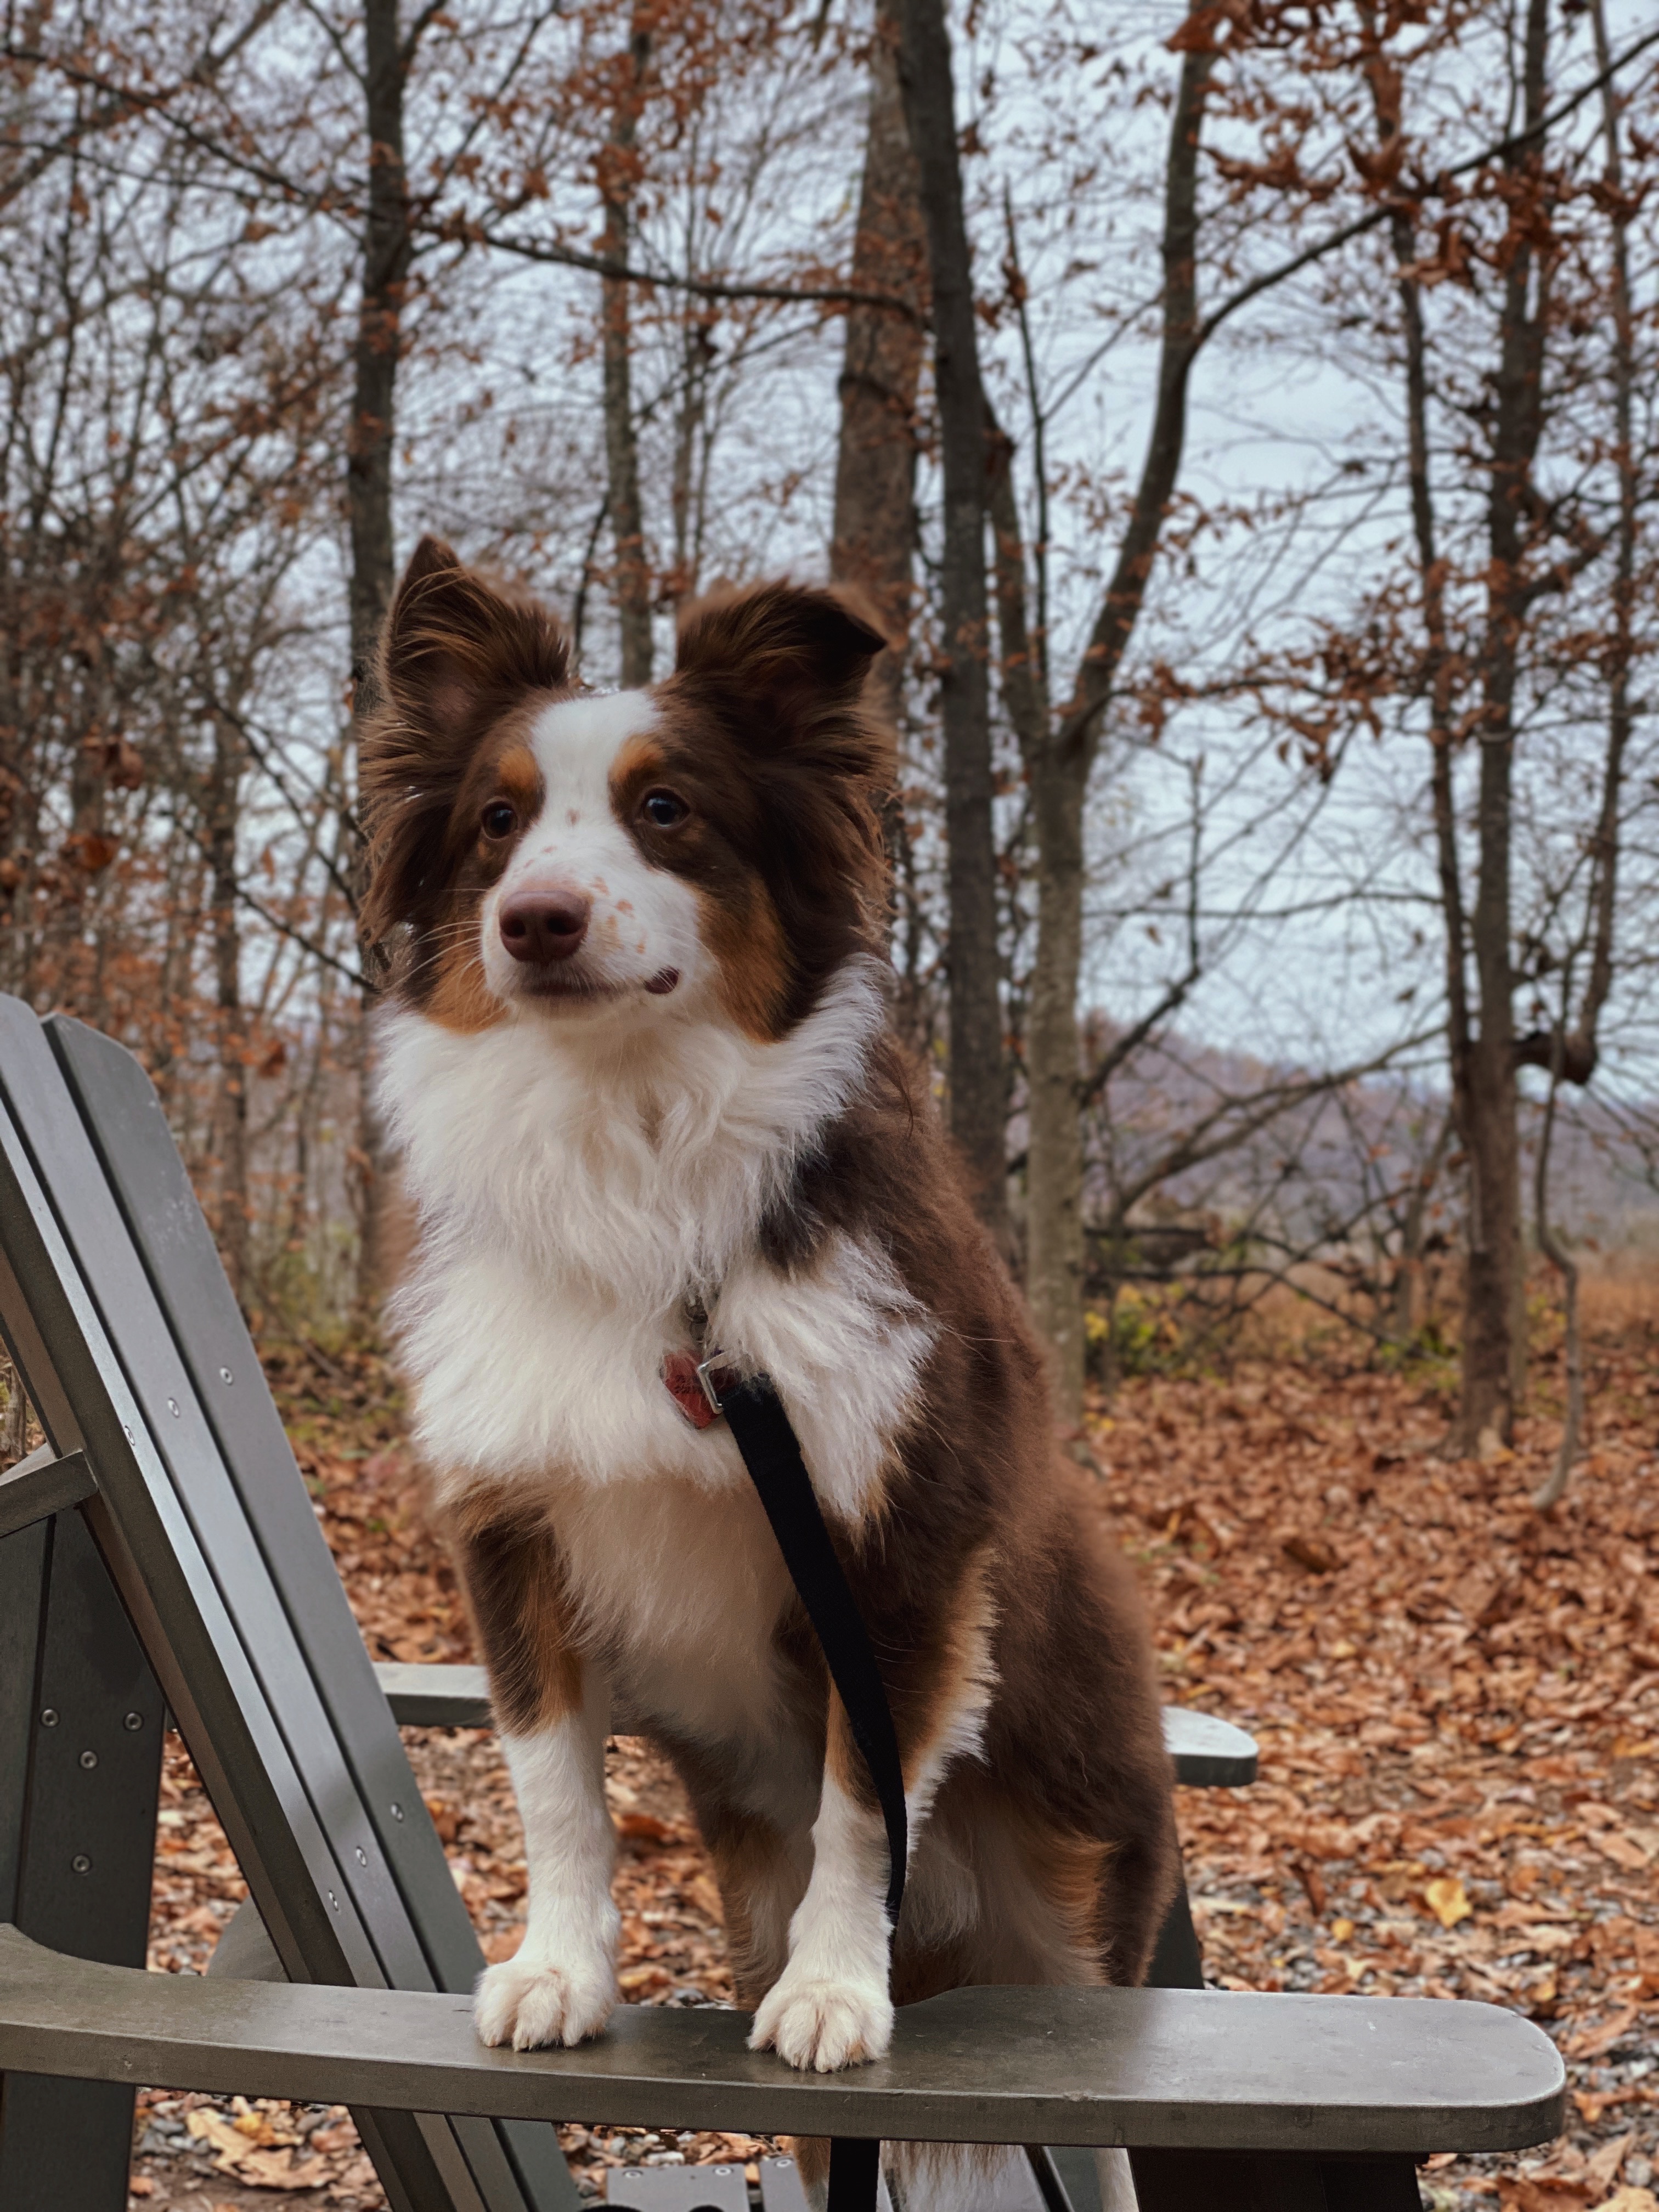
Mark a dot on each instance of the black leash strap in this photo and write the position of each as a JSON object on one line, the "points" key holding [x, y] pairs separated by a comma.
{"points": [[767, 1440], [772, 1455]]}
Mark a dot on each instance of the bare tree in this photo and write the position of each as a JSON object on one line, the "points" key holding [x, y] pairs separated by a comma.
{"points": [[873, 536], [978, 1096], [618, 181]]}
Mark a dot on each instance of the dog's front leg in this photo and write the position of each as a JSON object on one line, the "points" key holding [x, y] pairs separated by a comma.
{"points": [[553, 1708], [831, 2006]]}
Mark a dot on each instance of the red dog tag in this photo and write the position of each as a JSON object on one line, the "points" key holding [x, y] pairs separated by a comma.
{"points": [[679, 1372]]}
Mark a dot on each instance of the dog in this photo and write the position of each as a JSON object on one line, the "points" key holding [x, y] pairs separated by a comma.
{"points": [[636, 1063]]}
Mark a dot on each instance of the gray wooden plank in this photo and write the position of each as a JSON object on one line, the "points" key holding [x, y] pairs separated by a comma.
{"points": [[436, 1696], [40, 1485], [57, 1333], [678, 2188], [1178, 2068], [124, 1121], [281, 1562], [354, 1762], [83, 1882], [1209, 1752]]}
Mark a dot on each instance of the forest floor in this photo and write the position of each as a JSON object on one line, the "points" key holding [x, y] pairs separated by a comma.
{"points": [[1456, 1700]]}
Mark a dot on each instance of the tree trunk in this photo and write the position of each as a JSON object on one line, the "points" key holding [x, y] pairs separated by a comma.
{"points": [[387, 251], [978, 1099], [1058, 768], [1055, 1260], [1550, 1490], [230, 1104], [618, 177], [1494, 1348], [872, 538]]}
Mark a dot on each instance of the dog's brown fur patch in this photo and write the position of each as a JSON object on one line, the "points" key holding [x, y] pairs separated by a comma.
{"points": [[513, 1573]]}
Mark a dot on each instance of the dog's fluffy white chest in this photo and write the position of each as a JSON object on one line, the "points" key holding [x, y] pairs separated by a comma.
{"points": [[566, 1223]]}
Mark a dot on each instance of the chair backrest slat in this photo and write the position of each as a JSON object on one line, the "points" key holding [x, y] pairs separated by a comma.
{"points": [[206, 1526], [124, 1119]]}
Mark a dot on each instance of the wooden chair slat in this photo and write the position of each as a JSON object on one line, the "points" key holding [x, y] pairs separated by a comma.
{"points": [[1179, 2069]]}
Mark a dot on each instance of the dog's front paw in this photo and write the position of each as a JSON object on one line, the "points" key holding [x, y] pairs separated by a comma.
{"points": [[824, 2025], [530, 2002]]}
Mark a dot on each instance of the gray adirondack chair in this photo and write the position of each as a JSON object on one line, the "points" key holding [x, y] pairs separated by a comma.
{"points": [[159, 1556]]}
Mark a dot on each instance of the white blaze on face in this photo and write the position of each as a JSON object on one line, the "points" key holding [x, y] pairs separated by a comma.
{"points": [[643, 920]]}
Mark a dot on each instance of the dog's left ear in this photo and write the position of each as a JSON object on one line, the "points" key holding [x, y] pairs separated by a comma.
{"points": [[781, 659]]}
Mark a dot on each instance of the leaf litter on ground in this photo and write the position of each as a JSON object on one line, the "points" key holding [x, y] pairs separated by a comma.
{"points": [[1456, 1700]]}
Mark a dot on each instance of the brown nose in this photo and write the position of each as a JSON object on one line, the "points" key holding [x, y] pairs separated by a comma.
{"points": [[541, 926]]}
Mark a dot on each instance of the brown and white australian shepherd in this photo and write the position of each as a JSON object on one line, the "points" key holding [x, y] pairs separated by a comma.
{"points": [[637, 1065]]}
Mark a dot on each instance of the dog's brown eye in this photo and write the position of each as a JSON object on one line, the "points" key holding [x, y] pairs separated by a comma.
{"points": [[663, 809], [499, 820]]}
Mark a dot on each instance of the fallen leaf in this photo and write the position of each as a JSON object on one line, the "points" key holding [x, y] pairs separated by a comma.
{"points": [[1604, 2163], [1314, 1882], [1447, 1899], [1518, 2192], [1340, 1930], [1622, 1849], [1591, 2042], [1630, 2200], [210, 2127], [278, 2169], [1309, 1553], [643, 1978], [646, 1828]]}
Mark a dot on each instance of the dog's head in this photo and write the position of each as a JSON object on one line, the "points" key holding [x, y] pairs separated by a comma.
{"points": [[710, 845]]}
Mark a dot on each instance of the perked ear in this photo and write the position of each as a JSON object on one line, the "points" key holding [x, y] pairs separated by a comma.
{"points": [[798, 653], [456, 650], [454, 641]]}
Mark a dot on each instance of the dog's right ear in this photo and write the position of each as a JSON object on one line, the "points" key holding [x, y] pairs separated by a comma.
{"points": [[454, 642], [458, 651]]}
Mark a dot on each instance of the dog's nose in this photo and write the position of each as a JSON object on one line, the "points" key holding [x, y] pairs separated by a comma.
{"points": [[540, 927]]}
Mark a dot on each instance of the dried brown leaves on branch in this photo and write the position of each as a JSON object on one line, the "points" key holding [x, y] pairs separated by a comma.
{"points": [[1457, 1703]]}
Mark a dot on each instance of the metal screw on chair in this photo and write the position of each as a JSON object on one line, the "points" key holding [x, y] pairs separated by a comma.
{"points": [[225, 1375], [173, 1407], [334, 1900], [81, 1863], [49, 1717], [88, 1760], [396, 1810], [363, 1856], [133, 1720]]}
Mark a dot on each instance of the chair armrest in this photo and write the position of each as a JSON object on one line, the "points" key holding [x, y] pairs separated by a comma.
{"points": [[1208, 1752], [1157, 2068], [436, 1696], [42, 1484]]}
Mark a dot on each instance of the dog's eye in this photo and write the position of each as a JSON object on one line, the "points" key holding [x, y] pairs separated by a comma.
{"points": [[499, 820], [663, 809]]}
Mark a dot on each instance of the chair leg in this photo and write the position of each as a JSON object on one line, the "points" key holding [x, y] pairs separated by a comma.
{"points": [[81, 1725], [1176, 1963]]}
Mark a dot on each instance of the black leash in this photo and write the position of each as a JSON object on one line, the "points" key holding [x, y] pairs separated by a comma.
{"points": [[771, 1452]]}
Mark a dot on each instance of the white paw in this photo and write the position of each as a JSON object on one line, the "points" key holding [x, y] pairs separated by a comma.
{"points": [[529, 2004], [823, 2025]]}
